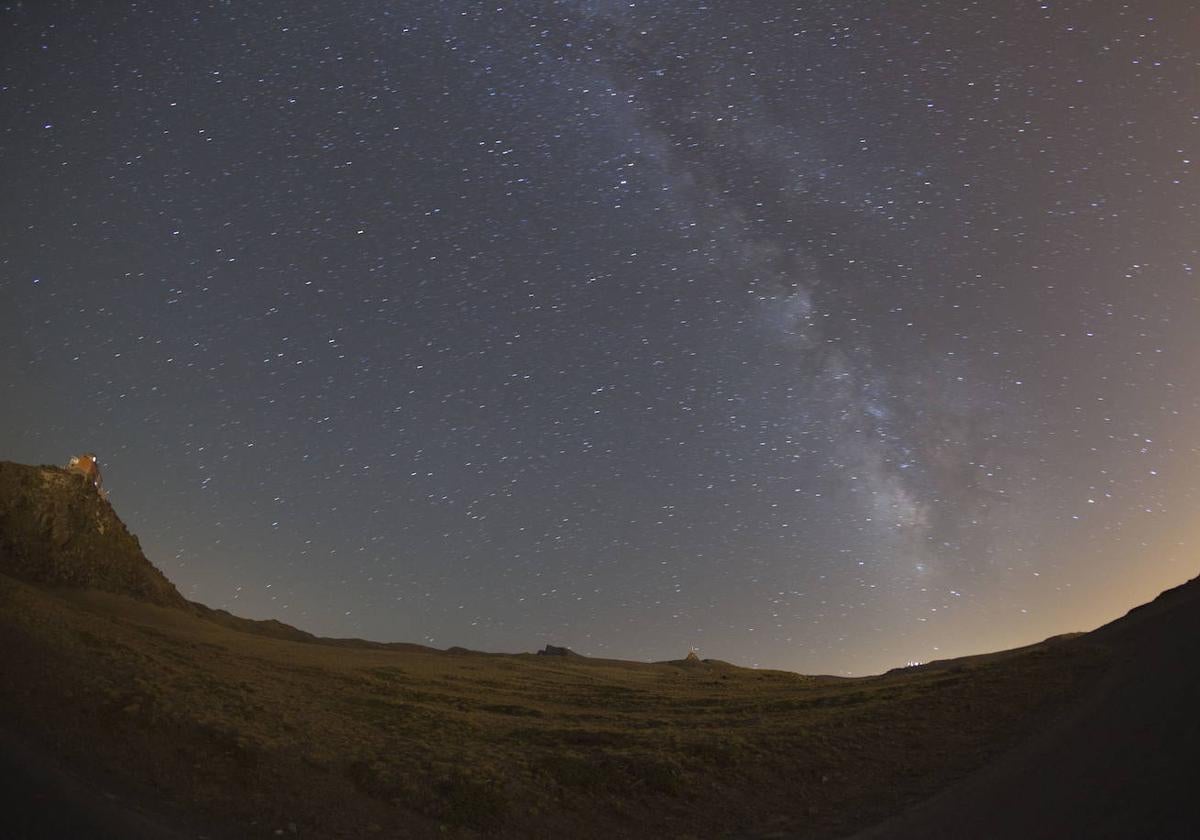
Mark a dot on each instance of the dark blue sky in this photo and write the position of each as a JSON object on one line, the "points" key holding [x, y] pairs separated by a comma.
{"points": [[825, 337]]}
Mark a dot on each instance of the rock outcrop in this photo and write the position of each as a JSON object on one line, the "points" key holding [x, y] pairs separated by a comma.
{"points": [[56, 529]]}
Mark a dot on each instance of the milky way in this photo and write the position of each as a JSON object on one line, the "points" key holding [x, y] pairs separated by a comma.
{"points": [[824, 336]]}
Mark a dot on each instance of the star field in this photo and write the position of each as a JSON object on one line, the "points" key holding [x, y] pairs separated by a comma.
{"points": [[819, 336]]}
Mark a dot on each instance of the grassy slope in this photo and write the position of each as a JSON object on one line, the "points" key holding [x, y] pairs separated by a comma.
{"points": [[248, 733]]}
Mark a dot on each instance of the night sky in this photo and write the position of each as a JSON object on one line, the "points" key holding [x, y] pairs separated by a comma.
{"points": [[822, 336]]}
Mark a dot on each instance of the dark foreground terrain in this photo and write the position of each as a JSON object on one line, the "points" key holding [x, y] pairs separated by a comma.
{"points": [[127, 711]]}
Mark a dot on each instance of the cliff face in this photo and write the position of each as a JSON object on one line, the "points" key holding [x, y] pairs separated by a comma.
{"points": [[57, 530]]}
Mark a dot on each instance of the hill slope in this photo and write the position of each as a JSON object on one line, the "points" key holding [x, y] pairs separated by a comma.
{"points": [[126, 711], [1121, 763]]}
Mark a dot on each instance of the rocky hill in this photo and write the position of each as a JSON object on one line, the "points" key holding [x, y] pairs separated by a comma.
{"points": [[56, 529]]}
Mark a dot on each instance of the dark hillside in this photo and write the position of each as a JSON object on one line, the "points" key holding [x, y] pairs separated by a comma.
{"points": [[1119, 763]]}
